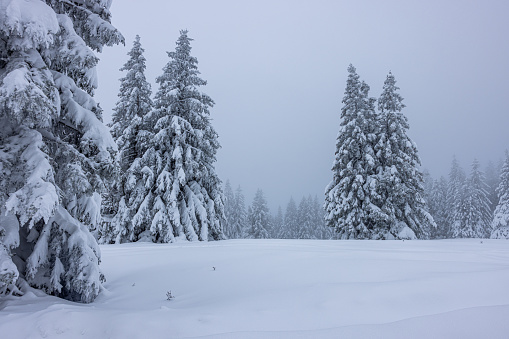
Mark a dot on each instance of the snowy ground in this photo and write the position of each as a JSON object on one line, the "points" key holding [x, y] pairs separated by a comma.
{"points": [[283, 289]]}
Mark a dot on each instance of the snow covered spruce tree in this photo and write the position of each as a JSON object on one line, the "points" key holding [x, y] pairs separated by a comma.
{"points": [[350, 198], [258, 218], [500, 224], [54, 150], [180, 193], [131, 136], [400, 184]]}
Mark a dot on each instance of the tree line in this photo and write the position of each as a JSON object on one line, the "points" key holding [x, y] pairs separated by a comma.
{"points": [[302, 221], [470, 206]]}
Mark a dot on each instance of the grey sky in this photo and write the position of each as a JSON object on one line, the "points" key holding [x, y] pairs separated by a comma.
{"points": [[277, 72]]}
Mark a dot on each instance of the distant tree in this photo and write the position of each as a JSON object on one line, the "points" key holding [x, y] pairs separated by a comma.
{"points": [[290, 225], [320, 230], [500, 223], [305, 222], [400, 184], [229, 211], [492, 182], [475, 217], [239, 223], [127, 192], [349, 198], [278, 224], [55, 152], [456, 196], [437, 204], [258, 217]]}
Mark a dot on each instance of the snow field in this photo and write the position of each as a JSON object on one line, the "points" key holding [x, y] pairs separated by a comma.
{"points": [[283, 289]]}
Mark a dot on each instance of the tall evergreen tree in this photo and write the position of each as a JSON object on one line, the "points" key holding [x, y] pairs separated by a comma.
{"points": [[55, 153], [130, 134], [400, 186], [350, 197], [500, 223], [259, 217], [185, 198]]}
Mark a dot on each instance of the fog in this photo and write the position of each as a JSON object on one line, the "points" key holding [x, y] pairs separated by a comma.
{"points": [[277, 73]]}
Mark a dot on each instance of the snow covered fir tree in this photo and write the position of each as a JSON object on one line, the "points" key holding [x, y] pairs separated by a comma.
{"points": [[172, 189], [131, 135], [348, 198], [55, 152], [400, 181], [376, 191]]}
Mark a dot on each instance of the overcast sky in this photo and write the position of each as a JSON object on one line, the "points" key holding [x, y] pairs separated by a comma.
{"points": [[277, 73]]}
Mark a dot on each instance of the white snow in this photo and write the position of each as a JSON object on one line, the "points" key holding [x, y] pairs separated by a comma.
{"points": [[283, 289], [31, 17]]}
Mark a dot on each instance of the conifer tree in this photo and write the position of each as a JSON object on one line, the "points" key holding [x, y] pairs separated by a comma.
{"points": [[258, 217], [131, 135], [320, 230], [500, 223], [291, 223], [456, 196], [400, 185], [492, 180], [437, 204], [278, 224], [305, 219], [474, 218], [239, 223], [229, 211], [185, 197], [350, 197], [55, 153]]}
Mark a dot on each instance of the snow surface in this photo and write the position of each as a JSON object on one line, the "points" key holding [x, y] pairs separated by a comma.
{"points": [[283, 289]]}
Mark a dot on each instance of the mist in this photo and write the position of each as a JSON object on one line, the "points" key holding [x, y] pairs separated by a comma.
{"points": [[277, 72]]}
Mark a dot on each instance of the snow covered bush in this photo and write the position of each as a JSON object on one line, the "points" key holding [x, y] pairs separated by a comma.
{"points": [[54, 150]]}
